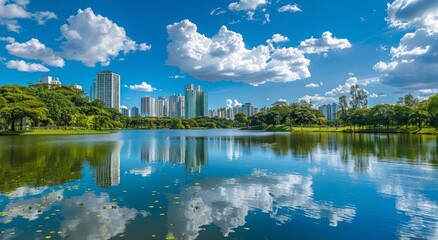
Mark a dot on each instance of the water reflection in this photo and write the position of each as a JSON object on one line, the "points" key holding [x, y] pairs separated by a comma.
{"points": [[190, 151], [30, 163], [227, 202]]}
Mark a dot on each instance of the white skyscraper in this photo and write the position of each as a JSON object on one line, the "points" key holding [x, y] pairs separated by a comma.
{"points": [[49, 80], [161, 107], [147, 106], [177, 106], [108, 88]]}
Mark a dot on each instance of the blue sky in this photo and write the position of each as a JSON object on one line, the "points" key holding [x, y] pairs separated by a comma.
{"points": [[255, 51]]}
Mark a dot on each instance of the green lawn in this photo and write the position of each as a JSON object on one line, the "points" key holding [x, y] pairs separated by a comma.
{"points": [[39, 132], [409, 130]]}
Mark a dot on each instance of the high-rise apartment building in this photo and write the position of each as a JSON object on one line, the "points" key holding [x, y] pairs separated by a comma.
{"points": [[93, 90], [124, 110], [161, 107], [329, 111], [196, 101], [177, 106], [108, 88], [134, 112], [147, 106]]}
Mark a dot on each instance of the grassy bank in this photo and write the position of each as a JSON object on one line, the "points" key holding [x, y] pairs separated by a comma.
{"points": [[401, 130], [40, 132]]}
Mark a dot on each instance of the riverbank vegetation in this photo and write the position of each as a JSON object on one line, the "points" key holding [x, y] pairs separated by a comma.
{"points": [[42, 109]]}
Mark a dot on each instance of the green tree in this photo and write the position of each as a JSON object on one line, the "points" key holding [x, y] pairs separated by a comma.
{"points": [[359, 117], [240, 120], [343, 109], [402, 115], [359, 97], [19, 102], [381, 114], [408, 100], [432, 109], [176, 124]]}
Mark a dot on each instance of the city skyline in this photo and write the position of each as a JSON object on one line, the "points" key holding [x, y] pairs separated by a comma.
{"points": [[250, 51]]}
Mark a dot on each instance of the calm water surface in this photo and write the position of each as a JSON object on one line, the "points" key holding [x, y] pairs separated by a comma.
{"points": [[216, 184]]}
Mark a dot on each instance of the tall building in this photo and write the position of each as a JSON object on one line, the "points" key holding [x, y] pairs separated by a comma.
{"points": [[161, 107], [124, 110], [93, 90], [212, 113], [49, 80], [134, 112], [196, 101], [248, 109], [147, 106], [177, 106], [329, 111], [108, 88]]}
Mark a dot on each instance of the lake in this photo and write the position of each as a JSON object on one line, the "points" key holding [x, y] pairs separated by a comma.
{"points": [[215, 184]]}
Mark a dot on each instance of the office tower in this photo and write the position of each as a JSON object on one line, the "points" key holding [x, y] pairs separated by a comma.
{"points": [[93, 90], [135, 112], [196, 101], [108, 88], [161, 107], [147, 106], [248, 109], [177, 106], [212, 113], [334, 111], [222, 113]]}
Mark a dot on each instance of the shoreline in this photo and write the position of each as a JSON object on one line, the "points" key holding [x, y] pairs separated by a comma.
{"points": [[280, 128]]}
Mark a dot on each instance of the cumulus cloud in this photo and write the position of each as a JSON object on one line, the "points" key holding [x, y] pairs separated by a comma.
{"points": [[225, 57], [35, 50], [11, 11], [278, 38], [142, 87], [244, 5], [92, 39], [290, 8], [413, 64], [323, 44], [23, 66], [417, 14], [235, 103], [332, 95], [314, 85]]}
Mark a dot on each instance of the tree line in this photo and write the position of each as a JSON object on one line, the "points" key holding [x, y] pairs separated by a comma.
{"points": [[352, 111], [44, 105]]}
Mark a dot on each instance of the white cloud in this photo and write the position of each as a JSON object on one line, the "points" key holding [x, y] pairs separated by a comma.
{"points": [[7, 39], [92, 39], [314, 85], [250, 15], [278, 38], [23, 66], [332, 95], [413, 63], [235, 103], [44, 16], [11, 11], [217, 11], [413, 13], [318, 100], [244, 5], [225, 57], [177, 76], [143, 87], [290, 8], [377, 95], [323, 44], [267, 18], [35, 50]]}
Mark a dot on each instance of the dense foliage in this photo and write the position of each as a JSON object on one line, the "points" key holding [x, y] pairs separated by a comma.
{"points": [[43, 105]]}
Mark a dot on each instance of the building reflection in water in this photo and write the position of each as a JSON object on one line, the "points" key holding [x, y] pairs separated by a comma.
{"points": [[190, 151], [107, 173]]}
